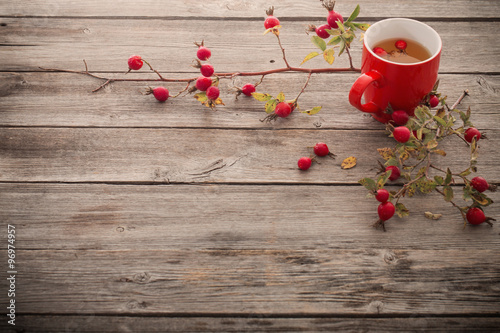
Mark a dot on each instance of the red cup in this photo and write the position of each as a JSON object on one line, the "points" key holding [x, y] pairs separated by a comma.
{"points": [[401, 85]]}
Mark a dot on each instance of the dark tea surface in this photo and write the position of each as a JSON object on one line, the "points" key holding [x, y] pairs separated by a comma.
{"points": [[411, 53]]}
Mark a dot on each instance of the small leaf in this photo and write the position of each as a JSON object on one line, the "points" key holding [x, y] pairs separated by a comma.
{"points": [[465, 173], [201, 97], [448, 193], [328, 55], [369, 184], [262, 97], [340, 26], [271, 105], [440, 113], [401, 210], [281, 97], [481, 199], [426, 186], [354, 14], [342, 47], [335, 40], [349, 163], [449, 177], [432, 216], [439, 152], [274, 29], [361, 26], [314, 110], [383, 178], [439, 180], [319, 42], [386, 153], [440, 121], [309, 57]]}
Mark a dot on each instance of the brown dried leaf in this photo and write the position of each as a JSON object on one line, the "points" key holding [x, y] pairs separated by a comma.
{"points": [[386, 153], [349, 163]]}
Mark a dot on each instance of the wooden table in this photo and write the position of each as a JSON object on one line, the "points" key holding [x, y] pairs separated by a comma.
{"points": [[138, 216]]}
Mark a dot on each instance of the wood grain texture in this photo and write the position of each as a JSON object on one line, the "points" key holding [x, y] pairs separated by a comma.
{"points": [[142, 155], [255, 9], [252, 323], [468, 47], [56, 99]]}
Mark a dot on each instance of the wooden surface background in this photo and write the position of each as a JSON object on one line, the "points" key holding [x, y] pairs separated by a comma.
{"points": [[138, 216]]}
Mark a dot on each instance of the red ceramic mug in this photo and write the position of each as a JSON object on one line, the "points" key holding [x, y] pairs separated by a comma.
{"points": [[401, 85]]}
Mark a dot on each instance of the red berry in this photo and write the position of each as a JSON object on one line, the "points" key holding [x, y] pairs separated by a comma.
{"points": [[471, 133], [479, 184], [401, 134], [382, 195], [271, 21], [395, 172], [433, 101], [380, 51], [386, 210], [283, 109], [203, 53], [304, 163], [400, 117], [321, 149], [161, 93], [475, 215], [213, 93], [202, 83], [207, 70], [135, 62], [321, 31], [248, 89], [401, 44], [332, 19]]}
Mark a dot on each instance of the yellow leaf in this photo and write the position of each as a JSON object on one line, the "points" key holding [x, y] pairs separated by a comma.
{"points": [[386, 153], [432, 216], [349, 162], [329, 56], [309, 57]]}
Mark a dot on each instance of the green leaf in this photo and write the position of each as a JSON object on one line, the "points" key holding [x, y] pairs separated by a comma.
{"points": [[369, 184], [448, 193], [335, 40], [342, 47], [281, 97], [449, 177], [319, 42], [354, 14], [401, 210], [432, 144], [314, 110], [262, 97], [382, 179], [341, 26], [201, 97], [391, 161], [465, 173], [440, 121], [309, 57], [361, 26], [439, 180], [271, 105], [329, 56], [426, 186]]}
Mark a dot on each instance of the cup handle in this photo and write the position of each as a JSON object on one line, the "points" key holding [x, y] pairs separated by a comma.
{"points": [[359, 87]]}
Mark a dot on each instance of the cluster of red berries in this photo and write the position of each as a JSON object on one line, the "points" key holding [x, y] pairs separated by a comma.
{"points": [[320, 149], [332, 20], [205, 82], [475, 215]]}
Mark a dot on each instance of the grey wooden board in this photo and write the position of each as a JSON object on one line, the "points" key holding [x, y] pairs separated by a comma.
{"points": [[56, 99], [143, 155], [252, 323], [29, 43], [198, 9]]}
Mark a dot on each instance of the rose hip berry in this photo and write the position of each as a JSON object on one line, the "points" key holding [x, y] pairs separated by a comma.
{"points": [[332, 19], [283, 109], [471, 133], [248, 89], [203, 53], [382, 195], [475, 216], [271, 21], [321, 31], [161, 93], [304, 163], [386, 210], [400, 44], [203, 82], [321, 149], [433, 101], [395, 172], [207, 70], [380, 51], [135, 62], [213, 93], [400, 117], [401, 134], [479, 184]]}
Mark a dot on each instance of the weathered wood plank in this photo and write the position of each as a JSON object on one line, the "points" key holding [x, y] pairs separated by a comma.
{"points": [[63, 43], [60, 99], [80, 217], [205, 155], [255, 9], [252, 323], [217, 281]]}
